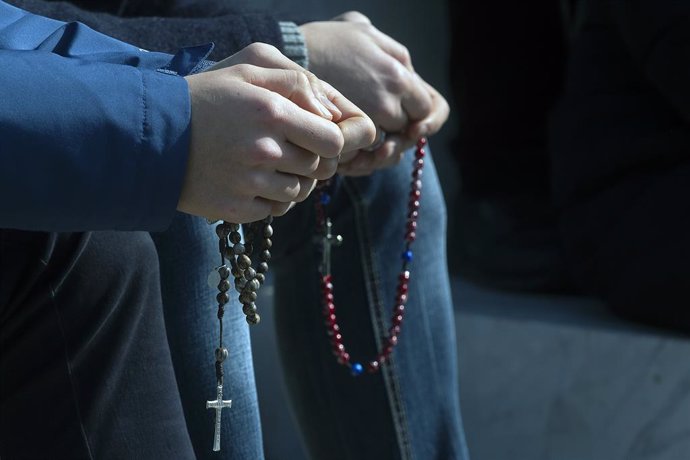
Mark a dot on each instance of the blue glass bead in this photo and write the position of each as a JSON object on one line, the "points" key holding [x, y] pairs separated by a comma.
{"points": [[325, 198], [357, 369], [407, 256]]}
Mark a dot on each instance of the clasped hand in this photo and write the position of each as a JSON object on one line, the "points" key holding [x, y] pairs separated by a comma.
{"points": [[375, 72], [263, 131]]}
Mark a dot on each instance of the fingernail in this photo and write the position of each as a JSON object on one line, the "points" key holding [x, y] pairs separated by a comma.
{"points": [[324, 111], [328, 103]]}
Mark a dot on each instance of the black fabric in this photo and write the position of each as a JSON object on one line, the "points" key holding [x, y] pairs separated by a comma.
{"points": [[506, 70], [167, 25], [620, 144], [85, 368]]}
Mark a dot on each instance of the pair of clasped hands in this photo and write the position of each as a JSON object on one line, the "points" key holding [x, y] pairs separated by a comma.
{"points": [[264, 129]]}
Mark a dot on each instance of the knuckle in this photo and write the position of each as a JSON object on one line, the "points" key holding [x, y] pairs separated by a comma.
{"points": [[279, 209], [327, 169], [266, 150], [302, 80], [388, 115], [294, 190], [405, 56], [269, 108], [398, 77], [306, 186], [243, 69], [260, 50]]}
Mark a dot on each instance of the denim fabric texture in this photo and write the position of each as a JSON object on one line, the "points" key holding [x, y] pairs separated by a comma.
{"points": [[410, 410]]}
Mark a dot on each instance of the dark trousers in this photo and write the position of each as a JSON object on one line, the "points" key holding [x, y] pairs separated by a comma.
{"points": [[85, 368]]}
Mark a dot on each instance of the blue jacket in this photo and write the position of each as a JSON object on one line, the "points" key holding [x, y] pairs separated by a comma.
{"points": [[94, 133]]}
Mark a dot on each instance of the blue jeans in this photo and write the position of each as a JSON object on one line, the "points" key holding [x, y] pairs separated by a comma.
{"points": [[409, 410]]}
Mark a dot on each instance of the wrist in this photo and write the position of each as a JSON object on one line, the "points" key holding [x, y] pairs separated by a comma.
{"points": [[294, 45]]}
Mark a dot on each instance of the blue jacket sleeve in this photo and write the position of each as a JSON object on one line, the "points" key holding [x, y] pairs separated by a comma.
{"points": [[92, 136]]}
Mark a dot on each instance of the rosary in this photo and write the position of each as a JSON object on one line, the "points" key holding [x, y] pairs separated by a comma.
{"points": [[248, 279]]}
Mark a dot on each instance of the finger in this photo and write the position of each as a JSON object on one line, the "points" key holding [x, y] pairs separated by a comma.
{"points": [[251, 210], [435, 120], [267, 56], [327, 168], [307, 185], [280, 209], [271, 185], [417, 102], [311, 132], [294, 85], [389, 154], [289, 158], [393, 48], [352, 16], [357, 128]]}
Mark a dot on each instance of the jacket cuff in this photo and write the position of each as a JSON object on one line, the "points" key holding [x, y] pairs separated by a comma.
{"points": [[166, 136]]}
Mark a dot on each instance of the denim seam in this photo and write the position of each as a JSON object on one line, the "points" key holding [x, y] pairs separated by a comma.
{"points": [[69, 373], [376, 309]]}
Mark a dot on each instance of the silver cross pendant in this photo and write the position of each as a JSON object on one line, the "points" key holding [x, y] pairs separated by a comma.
{"points": [[218, 405]]}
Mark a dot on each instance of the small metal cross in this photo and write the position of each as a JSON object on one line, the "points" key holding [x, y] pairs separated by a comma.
{"points": [[218, 405], [327, 240]]}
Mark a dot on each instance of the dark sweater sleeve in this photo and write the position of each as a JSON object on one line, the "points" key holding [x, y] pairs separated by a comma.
{"points": [[657, 35], [230, 32]]}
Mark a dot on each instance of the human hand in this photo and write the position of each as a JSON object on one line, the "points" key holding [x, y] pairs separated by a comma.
{"points": [[376, 73], [253, 151], [356, 126]]}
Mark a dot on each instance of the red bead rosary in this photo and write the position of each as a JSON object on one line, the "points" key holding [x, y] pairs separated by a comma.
{"points": [[324, 227]]}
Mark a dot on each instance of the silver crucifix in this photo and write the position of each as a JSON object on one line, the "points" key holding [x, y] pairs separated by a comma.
{"points": [[218, 405], [327, 240]]}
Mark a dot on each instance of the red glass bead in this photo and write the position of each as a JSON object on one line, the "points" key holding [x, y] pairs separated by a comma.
{"points": [[415, 194], [400, 310], [410, 236], [387, 351], [413, 205], [394, 330], [337, 338], [404, 275], [417, 173], [338, 349], [373, 366], [397, 320], [331, 320], [420, 153], [411, 225], [401, 299], [413, 215], [329, 297], [381, 358], [421, 142], [403, 288], [393, 340], [327, 288], [333, 329], [344, 358]]}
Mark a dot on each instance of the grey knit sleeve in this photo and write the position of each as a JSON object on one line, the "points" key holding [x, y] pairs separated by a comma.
{"points": [[294, 45]]}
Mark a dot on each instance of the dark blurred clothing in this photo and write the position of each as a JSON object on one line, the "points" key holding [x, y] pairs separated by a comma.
{"points": [[186, 22], [620, 143], [507, 65]]}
